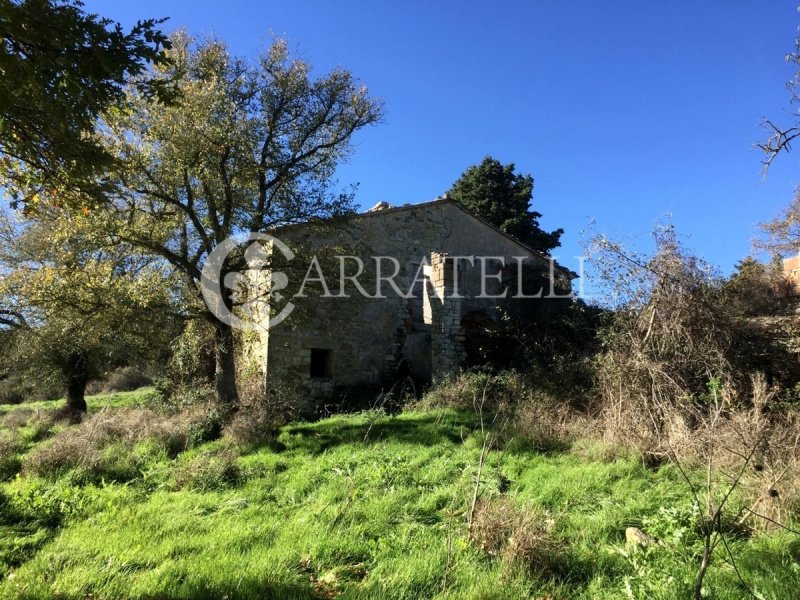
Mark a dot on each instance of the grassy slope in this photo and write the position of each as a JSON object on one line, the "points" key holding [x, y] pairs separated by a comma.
{"points": [[326, 513], [94, 403]]}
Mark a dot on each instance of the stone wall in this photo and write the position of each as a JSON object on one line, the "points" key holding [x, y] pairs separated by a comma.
{"points": [[372, 340]]}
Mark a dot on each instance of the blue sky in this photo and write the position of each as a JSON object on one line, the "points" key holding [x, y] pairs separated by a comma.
{"points": [[623, 111]]}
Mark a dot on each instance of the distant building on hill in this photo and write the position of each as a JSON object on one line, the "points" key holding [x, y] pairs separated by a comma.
{"points": [[791, 270]]}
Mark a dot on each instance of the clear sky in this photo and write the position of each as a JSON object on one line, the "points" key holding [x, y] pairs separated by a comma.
{"points": [[622, 110]]}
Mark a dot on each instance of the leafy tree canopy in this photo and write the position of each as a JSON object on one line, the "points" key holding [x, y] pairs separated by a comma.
{"points": [[496, 193], [73, 307], [250, 146], [60, 68]]}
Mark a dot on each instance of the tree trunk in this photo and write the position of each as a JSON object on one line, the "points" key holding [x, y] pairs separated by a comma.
{"points": [[225, 374], [701, 574], [76, 388]]}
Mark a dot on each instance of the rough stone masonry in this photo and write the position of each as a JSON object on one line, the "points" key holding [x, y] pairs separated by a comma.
{"points": [[332, 341]]}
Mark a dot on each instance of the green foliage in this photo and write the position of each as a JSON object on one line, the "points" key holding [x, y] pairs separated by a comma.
{"points": [[191, 363], [676, 525], [494, 192], [77, 307], [252, 145], [62, 68], [42, 502]]}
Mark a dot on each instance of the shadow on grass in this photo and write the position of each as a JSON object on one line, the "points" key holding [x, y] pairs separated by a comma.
{"points": [[425, 429], [19, 544], [244, 588]]}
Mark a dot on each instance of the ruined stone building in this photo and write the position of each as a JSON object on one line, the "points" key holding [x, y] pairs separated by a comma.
{"points": [[328, 342]]}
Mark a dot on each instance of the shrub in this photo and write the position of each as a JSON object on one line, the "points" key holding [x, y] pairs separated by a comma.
{"points": [[544, 423], [179, 397], [669, 337], [84, 447], [192, 360], [518, 537], [64, 452], [676, 334], [260, 415], [252, 426], [10, 447], [17, 418], [477, 390], [126, 379], [209, 470]]}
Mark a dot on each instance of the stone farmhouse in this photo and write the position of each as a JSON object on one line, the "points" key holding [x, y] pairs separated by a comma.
{"points": [[332, 342]]}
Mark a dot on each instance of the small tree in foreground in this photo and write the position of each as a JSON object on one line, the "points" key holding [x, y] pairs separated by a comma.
{"points": [[71, 310]]}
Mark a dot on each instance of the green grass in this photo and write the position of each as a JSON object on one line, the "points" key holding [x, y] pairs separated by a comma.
{"points": [[94, 403], [364, 507]]}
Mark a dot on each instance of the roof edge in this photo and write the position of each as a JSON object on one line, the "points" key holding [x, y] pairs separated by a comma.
{"points": [[450, 201]]}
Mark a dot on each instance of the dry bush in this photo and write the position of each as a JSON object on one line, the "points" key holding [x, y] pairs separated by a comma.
{"points": [[210, 470], [14, 419], [546, 423], [669, 338], [83, 446], [752, 437], [64, 452], [10, 446], [676, 342], [260, 414], [519, 537]]}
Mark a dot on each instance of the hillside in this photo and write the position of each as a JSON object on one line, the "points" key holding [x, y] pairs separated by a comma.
{"points": [[359, 506]]}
